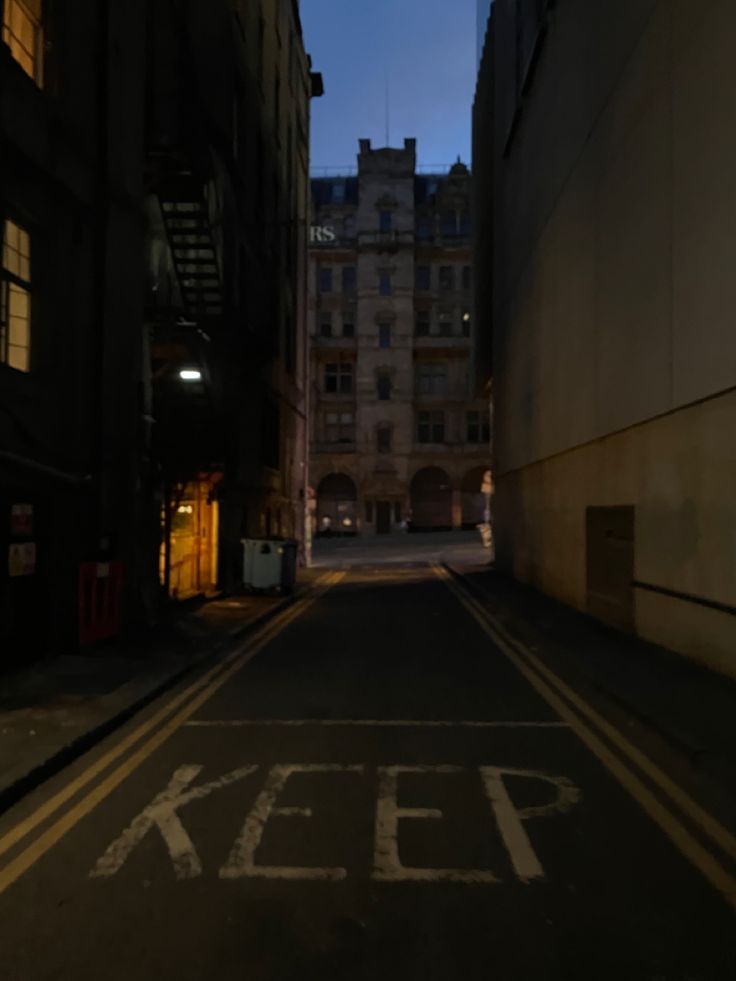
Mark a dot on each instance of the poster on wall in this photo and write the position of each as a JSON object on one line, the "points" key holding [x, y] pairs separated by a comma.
{"points": [[22, 559]]}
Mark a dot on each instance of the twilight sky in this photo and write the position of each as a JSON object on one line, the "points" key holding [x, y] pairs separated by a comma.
{"points": [[427, 49]]}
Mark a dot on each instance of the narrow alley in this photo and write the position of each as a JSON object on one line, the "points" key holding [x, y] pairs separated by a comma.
{"points": [[379, 782]]}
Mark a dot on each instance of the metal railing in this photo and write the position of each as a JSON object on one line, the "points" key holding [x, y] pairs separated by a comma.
{"points": [[350, 170]]}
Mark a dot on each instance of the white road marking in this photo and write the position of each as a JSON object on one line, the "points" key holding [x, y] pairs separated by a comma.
{"points": [[387, 865], [241, 863], [509, 819], [162, 812], [371, 723]]}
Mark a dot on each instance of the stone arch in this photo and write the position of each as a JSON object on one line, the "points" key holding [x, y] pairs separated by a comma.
{"points": [[431, 500], [337, 505], [473, 500]]}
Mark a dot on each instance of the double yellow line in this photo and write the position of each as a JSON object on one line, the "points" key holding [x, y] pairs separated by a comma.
{"points": [[160, 726], [617, 753]]}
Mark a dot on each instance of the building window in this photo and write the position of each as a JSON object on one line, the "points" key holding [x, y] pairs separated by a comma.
{"points": [[449, 224], [431, 378], [447, 278], [445, 323], [478, 427], [384, 335], [422, 323], [348, 327], [369, 512], [383, 439], [384, 284], [431, 427], [339, 378], [385, 221], [423, 277], [425, 227], [465, 226], [325, 324], [348, 279], [383, 386], [467, 278], [325, 279], [15, 298], [22, 32], [338, 192], [339, 427]]}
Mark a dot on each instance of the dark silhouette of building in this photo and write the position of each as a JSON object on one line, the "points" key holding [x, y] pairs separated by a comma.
{"points": [[153, 201]]}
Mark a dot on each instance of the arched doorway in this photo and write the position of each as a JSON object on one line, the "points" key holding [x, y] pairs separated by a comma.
{"points": [[431, 500], [474, 501], [337, 506]]}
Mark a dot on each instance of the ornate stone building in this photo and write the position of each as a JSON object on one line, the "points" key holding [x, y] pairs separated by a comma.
{"points": [[398, 431]]}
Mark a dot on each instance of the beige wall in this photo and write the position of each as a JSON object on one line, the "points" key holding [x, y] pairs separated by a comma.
{"points": [[679, 472], [615, 305], [629, 287]]}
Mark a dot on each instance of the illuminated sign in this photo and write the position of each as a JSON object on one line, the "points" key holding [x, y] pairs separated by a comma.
{"points": [[322, 235]]}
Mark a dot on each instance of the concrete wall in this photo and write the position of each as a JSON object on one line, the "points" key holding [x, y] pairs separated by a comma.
{"points": [[614, 298]]}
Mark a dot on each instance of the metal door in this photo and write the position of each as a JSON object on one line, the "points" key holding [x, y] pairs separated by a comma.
{"points": [[610, 560]]}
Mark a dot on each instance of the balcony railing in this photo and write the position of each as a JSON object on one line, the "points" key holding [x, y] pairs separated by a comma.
{"points": [[388, 239], [334, 448]]}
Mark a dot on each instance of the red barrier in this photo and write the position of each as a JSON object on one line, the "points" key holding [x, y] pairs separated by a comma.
{"points": [[100, 600]]}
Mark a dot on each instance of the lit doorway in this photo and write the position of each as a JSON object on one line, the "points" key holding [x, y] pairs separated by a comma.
{"points": [[193, 531]]}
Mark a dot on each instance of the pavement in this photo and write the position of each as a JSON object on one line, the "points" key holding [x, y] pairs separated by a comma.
{"points": [[56, 708], [384, 781], [688, 707]]}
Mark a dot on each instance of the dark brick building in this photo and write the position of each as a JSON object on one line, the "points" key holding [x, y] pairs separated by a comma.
{"points": [[153, 196]]}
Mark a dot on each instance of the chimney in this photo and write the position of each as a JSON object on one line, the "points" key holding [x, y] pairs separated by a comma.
{"points": [[365, 146]]}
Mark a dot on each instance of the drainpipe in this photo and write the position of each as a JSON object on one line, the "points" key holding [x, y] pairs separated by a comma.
{"points": [[101, 258]]}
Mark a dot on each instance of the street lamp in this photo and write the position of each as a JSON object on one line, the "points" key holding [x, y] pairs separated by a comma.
{"points": [[190, 375]]}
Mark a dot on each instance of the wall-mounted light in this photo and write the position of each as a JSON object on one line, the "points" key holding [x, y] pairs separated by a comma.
{"points": [[190, 375]]}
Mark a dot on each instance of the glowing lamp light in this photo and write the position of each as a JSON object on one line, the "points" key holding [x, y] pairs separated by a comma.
{"points": [[347, 522], [466, 317], [190, 375]]}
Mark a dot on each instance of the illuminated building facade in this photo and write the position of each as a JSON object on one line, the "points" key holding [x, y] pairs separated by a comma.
{"points": [[398, 433]]}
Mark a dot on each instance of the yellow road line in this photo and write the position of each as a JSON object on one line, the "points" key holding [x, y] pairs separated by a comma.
{"points": [[535, 673], [705, 821], [236, 658]]}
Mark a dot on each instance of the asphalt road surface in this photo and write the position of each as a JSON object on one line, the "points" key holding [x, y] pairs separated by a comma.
{"points": [[377, 786]]}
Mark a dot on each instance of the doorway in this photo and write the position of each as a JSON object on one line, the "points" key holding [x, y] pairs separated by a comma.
{"points": [[610, 564], [383, 518], [193, 540]]}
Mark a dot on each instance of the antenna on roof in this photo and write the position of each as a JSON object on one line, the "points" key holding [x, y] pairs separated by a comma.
{"points": [[388, 129]]}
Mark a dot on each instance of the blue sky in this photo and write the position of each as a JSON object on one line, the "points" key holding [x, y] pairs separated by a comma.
{"points": [[427, 50]]}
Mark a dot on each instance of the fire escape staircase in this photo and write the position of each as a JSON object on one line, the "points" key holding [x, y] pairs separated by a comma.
{"points": [[189, 231]]}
